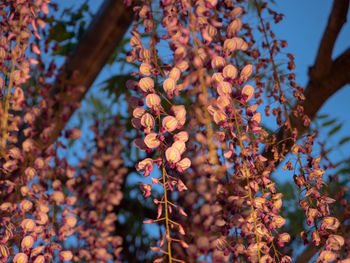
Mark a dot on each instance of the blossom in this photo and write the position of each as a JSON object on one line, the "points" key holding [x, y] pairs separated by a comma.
{"points": [[151, 140], [169, 123], [27, 242], [247, 92], [20, 258], [66, 255], [246, 72], [183, 164], [153, 101], [172, 155], [330, 223], [169, 86], [230, 71], [146, 84], [146, 68]]}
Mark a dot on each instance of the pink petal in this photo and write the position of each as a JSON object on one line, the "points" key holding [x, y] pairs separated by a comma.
{"points": [[169, 123], [152, 141], [146, 84], [172, 155], [247, 92]]}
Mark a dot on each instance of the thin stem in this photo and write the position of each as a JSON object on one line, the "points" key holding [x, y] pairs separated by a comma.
{"points": [[166, 213], [246, 172]]}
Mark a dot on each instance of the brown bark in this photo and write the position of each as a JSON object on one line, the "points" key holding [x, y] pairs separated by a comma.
{"points": [[93, 51]]}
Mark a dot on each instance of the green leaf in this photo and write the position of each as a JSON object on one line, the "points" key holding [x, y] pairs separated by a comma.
{"points": [[322, 116], [64, 50], [344, 140], [329, 122], [59, 33], [335, 129]]}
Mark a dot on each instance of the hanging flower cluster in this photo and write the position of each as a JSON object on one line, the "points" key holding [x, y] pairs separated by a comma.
{"points": [[234, 210]]}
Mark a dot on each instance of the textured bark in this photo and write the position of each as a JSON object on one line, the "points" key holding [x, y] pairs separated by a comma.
{"points": [[93, 51]]}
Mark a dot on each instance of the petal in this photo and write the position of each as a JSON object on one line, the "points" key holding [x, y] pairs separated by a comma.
{"points": [[146, 84], [152, 100], [169, 123], [230, 71], [247, 92], [152, 141], [172, 155]]}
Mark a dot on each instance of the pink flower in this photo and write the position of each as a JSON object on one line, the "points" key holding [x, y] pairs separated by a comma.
{"points": [[175, 73], [245, 73], [218, 62], [27, 242], [145, 69], [39, 259], [169, 123], [28, 225], [326, 256], [70, 221], [66, 255], [180, 146], [172, 155], [169, 86], [182, 136], [146, 84], [138, 112], [153, 101], [26, 205], [224, 88], [147, 121], [247, 92], [230, 72], [151, 140], [234, 27], [146, 189], [20, 258], [180, 113], [183, 164], [330, 223], [334, 242]]}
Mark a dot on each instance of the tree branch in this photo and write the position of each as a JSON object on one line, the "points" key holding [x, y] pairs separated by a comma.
{"points": [[325, 78], [94, 49], [336, 20]]}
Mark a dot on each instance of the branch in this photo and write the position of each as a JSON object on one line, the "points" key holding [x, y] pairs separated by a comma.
{"points": [[93, 51], [325, 78], [336, 20]]}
